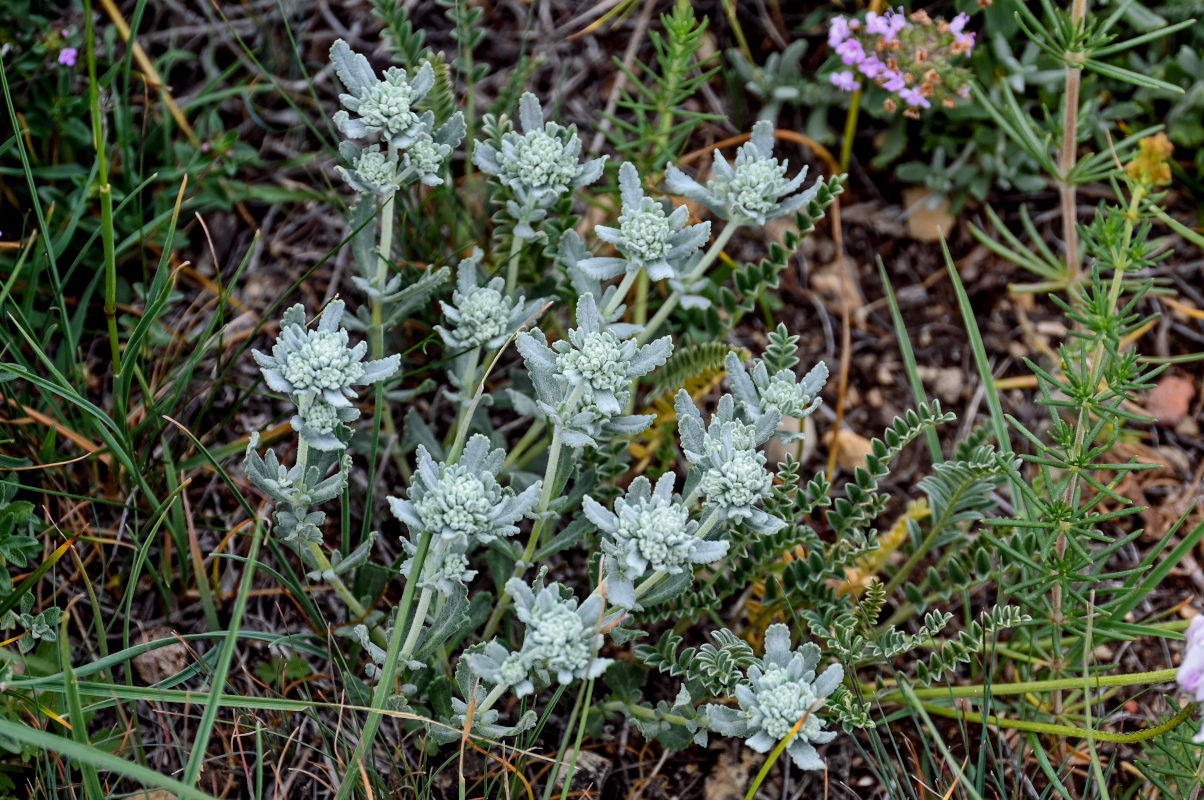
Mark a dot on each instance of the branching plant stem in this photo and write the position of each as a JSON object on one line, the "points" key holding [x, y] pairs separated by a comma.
{"points": [[1082, 424], [672, 300], [545, 500]]}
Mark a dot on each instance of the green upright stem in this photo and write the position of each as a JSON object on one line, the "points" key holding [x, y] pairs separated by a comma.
{"points": [[388, 673], [512, 262], [106, 195], [424, 603], [1069, 152], [620, 293], [491, 698], [467, 390], [850, 129], [671, 302], [326, 568], [639, 314], [200, 745], [545, 500]]}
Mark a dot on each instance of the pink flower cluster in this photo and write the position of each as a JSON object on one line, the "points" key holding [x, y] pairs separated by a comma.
{"points": [[908, 56], [1191, 671]]}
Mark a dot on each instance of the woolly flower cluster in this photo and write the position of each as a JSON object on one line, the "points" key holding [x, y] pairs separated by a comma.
{"points": [[647, 237], [482, 315], [387, 108], [908, 56], [781, 690], [460, 505], [647, 530], [1191, 671], [733, 479], [752, 189], [781, 393], [317, 370], [560, 642], [539, 166], [584, 382]]}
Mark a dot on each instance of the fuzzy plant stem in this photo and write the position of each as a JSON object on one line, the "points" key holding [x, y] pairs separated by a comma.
{"points": [[382, 275], [467, 389], [620, 293], [671, 302], [424, 603], [494, 695], [388, 673], [512, 262], [326, 568], [1068, 154], [545, 500]]}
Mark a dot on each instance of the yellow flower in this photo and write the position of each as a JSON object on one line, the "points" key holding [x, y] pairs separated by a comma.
{"points": [[1151, 166]]}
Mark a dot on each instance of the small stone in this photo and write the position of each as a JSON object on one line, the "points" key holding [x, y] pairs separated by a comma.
{"points": [[928, 217], [1170, 401], [947, 382], [589, 774], [851, 448], [153, 666]]}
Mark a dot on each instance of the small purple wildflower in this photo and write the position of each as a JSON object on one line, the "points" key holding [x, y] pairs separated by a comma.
{"points": [[877, 24], [892, 80], [872, 67], [838, 31], [913, 98], [1191, 671], [850, 52], [844, 80], [67, 56], [908, 55]]}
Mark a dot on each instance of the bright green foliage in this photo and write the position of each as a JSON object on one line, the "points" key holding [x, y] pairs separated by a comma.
{"points": [[658, 122]]}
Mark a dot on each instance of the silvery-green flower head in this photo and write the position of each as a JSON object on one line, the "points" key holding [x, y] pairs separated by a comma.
{"points": [[428, 152], [482, 315], [425, 157], [781, 690], [318, 365], [648, 531], [384, 106], [780, 393], [369, 170], [561, 638], [541, 164], [446, 564], [647, 237], [593, 362], [319, 424], [733, 478], [463, 501], [494, 664], [753, 189]]}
